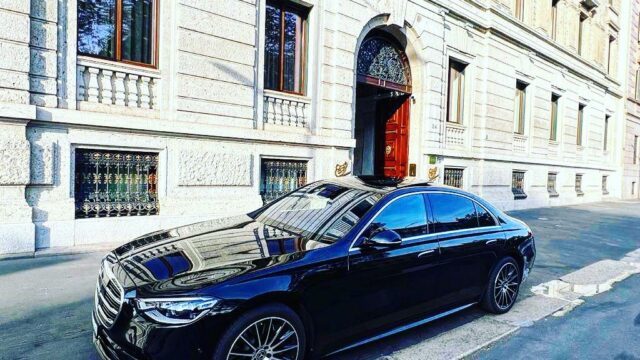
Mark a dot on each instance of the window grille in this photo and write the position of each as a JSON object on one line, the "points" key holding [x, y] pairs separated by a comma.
{"points": [[579, 185], [605, 191], [453, 177], [517, 185], [115, 183], [279, 177], [551, 185]]}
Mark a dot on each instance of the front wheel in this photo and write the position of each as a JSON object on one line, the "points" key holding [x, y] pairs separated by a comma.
{"points": [[503, 288], [269, 332]]}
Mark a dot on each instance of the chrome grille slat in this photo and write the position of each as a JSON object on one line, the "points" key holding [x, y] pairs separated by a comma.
{"points": [[108, 297]]}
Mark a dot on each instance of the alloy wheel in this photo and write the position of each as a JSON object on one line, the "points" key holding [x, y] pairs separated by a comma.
{"points": [[270, 338], [505, 287]]}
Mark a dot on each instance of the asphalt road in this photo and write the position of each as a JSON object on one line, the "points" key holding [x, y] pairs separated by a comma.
{"points": [[45, 303], [606, 326]]}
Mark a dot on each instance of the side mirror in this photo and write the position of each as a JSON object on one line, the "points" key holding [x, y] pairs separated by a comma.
{"points": [[383, 238]]}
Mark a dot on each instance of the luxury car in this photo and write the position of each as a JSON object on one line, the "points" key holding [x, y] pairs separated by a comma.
{"points": [[332, 265]]}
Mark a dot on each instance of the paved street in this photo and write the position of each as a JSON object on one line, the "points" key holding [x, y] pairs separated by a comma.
{"points": [[45, 303], [607, 326]]}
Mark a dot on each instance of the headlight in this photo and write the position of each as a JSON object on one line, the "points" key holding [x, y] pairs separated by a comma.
{"points": [[176, 311]]}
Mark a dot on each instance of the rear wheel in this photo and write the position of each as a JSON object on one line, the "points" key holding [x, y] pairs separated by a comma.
{"points": [[269, 332], [503, 288]]}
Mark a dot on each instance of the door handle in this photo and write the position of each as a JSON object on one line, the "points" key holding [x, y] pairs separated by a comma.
{"points": [[491, 242], [425, 253]]}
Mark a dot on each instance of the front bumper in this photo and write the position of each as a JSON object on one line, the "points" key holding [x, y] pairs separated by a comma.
{"points": [[135, 337]]}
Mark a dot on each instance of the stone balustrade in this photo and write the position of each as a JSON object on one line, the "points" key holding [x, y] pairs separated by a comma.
{"points": [[520, 143], [283, 109], [455, 135], [112, 85]]}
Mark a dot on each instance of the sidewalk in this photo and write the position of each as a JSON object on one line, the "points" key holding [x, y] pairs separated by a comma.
{"points": [[46, 301]]}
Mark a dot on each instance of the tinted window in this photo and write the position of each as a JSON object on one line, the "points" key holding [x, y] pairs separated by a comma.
{"points": [[484, 217], [406, 215], [452, 212]]}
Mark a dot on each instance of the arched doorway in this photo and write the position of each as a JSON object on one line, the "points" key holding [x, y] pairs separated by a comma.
{"points": [[383, 94]]}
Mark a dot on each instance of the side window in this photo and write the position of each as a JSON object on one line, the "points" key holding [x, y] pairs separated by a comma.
{"points": [[407, 216], [452, 212], [484, 217]]}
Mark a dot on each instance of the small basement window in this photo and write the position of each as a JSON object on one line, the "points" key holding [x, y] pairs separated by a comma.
{"points": [[517, 185], [279, 177], [115, 183]]}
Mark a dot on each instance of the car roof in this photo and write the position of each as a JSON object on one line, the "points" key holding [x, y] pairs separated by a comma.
{"points": [[383, 184]]}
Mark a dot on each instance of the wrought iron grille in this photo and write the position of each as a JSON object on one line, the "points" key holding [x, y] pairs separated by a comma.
{"points": [[579, 185], [380, 59], [605, 191], [453, 177], [517, 185], [115, 183], [551, 184], [279, 177]]}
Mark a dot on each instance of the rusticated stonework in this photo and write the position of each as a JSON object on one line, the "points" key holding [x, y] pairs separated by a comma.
{"points": [[199, 168], [14, 162], [43, 164]]}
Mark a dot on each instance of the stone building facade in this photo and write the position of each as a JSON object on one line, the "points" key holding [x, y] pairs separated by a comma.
{"points": [[115, 122], [631, 156]]}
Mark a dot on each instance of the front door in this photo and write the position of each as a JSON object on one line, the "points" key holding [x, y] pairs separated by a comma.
{"points": [[396, 141]]}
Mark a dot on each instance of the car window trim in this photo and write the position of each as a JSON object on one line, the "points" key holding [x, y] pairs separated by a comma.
{"points": [[437, 235], [496, 223], [410, 239]]}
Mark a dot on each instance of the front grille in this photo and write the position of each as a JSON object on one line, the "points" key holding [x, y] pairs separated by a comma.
{"points": [[108, 298]]}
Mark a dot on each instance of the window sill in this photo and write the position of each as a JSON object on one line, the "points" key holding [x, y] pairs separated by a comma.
{"points": [[113, 65], [287, 95], [519, 196]]}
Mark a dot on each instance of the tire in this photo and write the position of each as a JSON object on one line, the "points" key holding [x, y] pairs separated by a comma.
{"points": [[503, 288], [264, 320]]}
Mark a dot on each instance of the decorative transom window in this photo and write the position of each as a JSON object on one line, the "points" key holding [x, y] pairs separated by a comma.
{"points": [[380, 62], [517, 185], [552, 184], [453, 177], [115, 183], [285, 47], [279, 177], [119, 30], [579, 185]]}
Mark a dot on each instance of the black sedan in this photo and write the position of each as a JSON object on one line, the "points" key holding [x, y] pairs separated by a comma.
{"points": [[333, 265]]}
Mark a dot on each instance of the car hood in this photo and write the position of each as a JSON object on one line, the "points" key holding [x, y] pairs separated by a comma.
{"points": [[192, 256]]}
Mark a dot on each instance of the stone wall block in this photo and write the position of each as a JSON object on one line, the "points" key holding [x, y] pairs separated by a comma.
{"points": [[14, 162], [43, 164], [202, 168]]}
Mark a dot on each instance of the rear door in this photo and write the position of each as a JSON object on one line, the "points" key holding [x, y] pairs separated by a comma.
{"points": [[470, 241]]}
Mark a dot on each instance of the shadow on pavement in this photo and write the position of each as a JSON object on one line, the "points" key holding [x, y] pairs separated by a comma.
{"points": [[58, 332]]}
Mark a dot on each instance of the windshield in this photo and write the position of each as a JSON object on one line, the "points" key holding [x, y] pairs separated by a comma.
{"points": [[323, 212]]}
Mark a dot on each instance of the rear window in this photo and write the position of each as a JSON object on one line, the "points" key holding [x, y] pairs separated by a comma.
{"points": [[452, 212]]}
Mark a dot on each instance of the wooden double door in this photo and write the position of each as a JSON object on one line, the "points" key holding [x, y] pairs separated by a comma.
{"points": [[392, 138]]}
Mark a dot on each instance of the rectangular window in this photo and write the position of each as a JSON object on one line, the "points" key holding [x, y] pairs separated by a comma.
{"points": [[605, 136], [279, 177], [611, 56], [551, 184], [633, 188], [455, 101], [519, 10], [638, 84], [554, 19], [119, 30], [604, 185], [285, 47], [520, 101], [583, 18], [115, 183], [517, 185], [553, 134], [453, 177], [636, 145], [580, 125], [579, 185]]}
